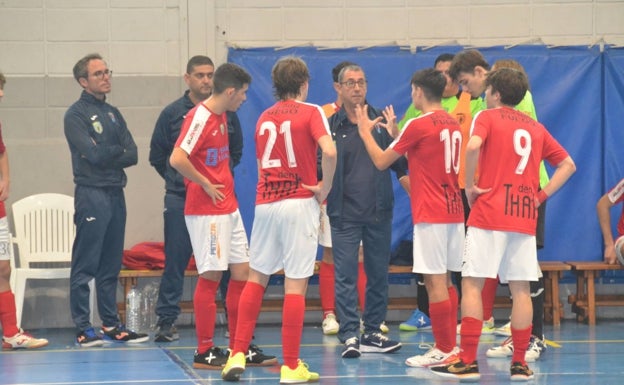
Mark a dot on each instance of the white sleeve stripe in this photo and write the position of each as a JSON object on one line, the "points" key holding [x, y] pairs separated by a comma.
{"points": [[616, 193], [195, 130]]}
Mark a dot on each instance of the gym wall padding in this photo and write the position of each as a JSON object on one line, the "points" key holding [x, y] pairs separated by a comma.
{"points": [[578, 94]]}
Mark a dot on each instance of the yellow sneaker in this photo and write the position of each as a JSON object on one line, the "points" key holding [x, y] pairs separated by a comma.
{"points": [[234, 367], [301, 375], [488, 326]]}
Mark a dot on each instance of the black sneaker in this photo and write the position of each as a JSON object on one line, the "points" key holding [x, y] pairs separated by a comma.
{"points": [[166, 333], [120, 334], [255, 357], [88, 338], [520, 372], [214, 358], [352, 348], [378, 343], [459, 370]]}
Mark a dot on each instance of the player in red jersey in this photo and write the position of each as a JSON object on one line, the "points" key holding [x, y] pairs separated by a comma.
{"points": [[613, 249], [432, 144], [13, 337], [286, 222], [215, 226], [508, 146]]}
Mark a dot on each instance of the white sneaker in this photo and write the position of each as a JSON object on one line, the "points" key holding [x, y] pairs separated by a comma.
{"points": [[330, 325], [503, 350], [23, 340], [506, 349], [504, 330], [535, 350], [433, 357]]}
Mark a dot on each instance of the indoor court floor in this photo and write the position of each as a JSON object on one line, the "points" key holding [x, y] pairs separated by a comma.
{"points": [[577, 354]]}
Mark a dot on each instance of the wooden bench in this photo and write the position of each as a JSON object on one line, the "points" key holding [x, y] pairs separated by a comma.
{"points": [[129, 278], [585, 301], [553, 272]]}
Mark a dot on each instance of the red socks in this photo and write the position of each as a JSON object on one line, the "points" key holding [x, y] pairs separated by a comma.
{"points": [[293, 314], [361, 286], [488, 295], [470, 333], [327, 288], [235, 288], [443, 335], [205, 313], [454, 299], [8, 317], [520, 338], [248, 310]]}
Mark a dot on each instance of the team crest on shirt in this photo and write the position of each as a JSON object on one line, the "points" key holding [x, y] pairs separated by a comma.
{"points": [[460, 117], [97, 127], [222, 128]]}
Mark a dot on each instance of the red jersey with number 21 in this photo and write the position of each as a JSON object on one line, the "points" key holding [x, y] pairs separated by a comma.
{"points": [[513, 146], [204, 137], [432, 143], [287, 135]]}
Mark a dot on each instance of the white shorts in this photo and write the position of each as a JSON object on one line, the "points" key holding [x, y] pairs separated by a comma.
{"points": [[513, 256], [438, 247], [217, 240], [5, 253], [324, 229], [285, 236]]}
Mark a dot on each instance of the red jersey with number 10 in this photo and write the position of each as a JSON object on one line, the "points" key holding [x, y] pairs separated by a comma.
{"points": [[513, 146], [204, 137], [432, 144], [287, 137]]}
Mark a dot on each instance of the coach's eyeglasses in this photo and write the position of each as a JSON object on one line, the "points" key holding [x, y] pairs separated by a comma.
{"points": [[101, 74], [351, 83]]}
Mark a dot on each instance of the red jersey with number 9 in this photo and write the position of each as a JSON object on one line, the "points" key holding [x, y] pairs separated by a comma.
{"points": [[287, 137], [513, 146]]}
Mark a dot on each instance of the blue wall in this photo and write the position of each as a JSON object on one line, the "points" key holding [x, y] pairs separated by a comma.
{"points": [[578, 94]]}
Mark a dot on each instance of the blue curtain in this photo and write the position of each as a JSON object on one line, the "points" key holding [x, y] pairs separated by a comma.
{"points": [[578, 94]]}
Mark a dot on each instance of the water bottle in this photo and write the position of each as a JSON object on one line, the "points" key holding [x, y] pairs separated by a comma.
{"points": [[148, 308], [133, 309]]}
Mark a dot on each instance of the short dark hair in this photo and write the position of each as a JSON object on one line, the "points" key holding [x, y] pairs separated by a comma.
{"points": [[350, 67], [431, 81], [336, 70], [467, 61], [80, 68], [2, 80], [288, 74], [229, 75], [198, 60], [510, 83], [443, 58]]}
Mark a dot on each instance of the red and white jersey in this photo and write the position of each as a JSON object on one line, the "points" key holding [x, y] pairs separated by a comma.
{"points": [[204, 137], [513, 146], [2, 151], [432, 144], [616, 195], [287, 137]]}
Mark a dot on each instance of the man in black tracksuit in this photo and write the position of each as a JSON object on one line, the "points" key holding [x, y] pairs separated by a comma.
{"points": [[101, 147]]}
